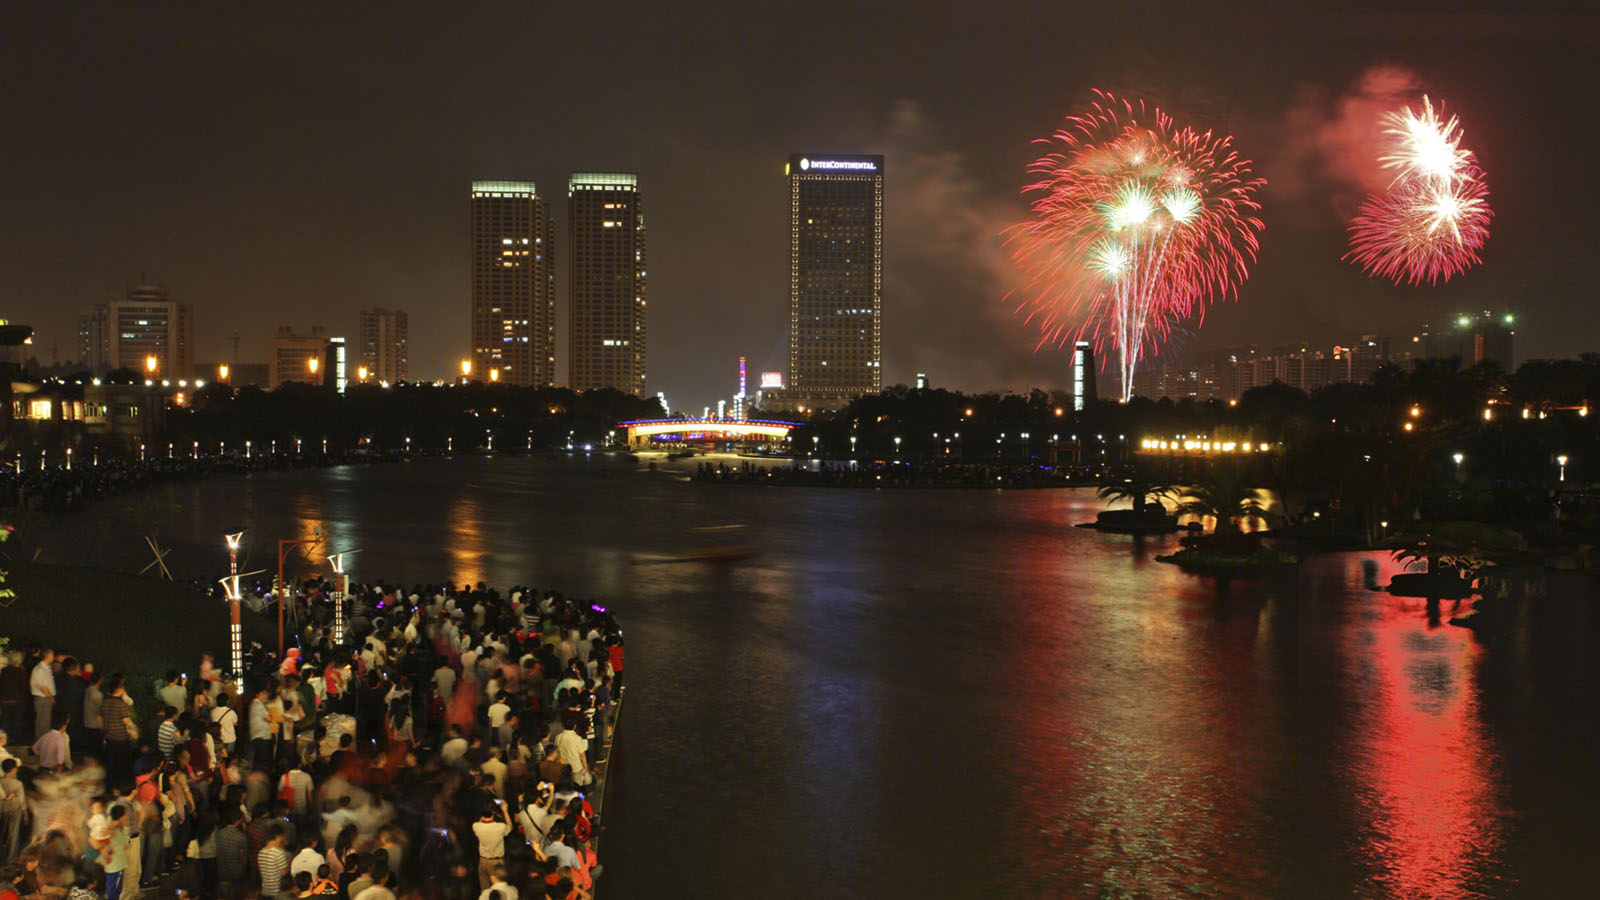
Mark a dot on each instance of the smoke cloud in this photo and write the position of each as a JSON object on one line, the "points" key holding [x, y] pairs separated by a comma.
{"points": [[1331, 143], [948, 270]]}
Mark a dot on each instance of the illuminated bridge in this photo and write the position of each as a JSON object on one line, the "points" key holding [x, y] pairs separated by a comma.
{"points": [[641, 431]]}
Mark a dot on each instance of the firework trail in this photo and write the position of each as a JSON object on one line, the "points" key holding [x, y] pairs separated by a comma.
{"points": [[1137, 224], [1434, 218]]}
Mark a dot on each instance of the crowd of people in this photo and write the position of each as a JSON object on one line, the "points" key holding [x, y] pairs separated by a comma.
{"points": [[445, 747]]}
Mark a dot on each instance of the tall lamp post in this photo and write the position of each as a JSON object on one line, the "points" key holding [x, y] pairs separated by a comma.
{"points": [[341, 587], [1561, 467], [235, 638]]}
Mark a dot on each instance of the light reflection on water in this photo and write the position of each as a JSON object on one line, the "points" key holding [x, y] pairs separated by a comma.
{"points": [[952, 694]]}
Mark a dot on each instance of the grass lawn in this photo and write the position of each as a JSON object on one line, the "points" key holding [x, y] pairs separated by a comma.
{"points": [[122, 623]]}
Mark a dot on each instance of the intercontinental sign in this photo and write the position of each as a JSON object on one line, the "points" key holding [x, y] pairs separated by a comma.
{"points": [[831, 164]]}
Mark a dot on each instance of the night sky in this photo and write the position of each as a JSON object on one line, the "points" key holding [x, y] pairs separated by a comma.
{"points": [[294, 166]]}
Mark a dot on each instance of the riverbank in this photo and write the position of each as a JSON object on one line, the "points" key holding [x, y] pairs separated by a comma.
{"points": [[891, 474]]}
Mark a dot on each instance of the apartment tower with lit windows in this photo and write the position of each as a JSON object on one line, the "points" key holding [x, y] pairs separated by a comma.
{"points": [[384, 351], [513, 284], [605, 246], [835, 278]]}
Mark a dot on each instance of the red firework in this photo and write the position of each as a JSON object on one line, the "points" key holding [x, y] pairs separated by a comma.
{"points": [[1434, 218], [1138, 224]]}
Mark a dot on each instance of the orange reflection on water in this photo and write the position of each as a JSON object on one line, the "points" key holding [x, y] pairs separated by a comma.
{"points": [[465, 539], [1430, 810]]}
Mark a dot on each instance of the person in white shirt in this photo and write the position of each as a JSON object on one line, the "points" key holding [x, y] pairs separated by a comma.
{"points": [[227, 721], [444, 681], [495, 768], [308, 859], [574, 752], [453, 749], [491, 834], [42, 684]]}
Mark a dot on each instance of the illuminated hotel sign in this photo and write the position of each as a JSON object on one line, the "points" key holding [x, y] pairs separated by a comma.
{"points": [[866, 165], [828, 165], [771, 381]]}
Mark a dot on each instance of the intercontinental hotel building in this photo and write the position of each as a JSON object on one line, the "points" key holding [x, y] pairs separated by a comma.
{"points": [[835, 278]]}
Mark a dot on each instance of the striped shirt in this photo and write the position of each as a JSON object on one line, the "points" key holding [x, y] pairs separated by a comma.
{"points": [[167, 738], [273, 862], [114, 711]]}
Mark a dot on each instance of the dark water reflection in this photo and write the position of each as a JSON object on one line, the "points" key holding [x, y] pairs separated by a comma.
{"points": [[950, 694]]}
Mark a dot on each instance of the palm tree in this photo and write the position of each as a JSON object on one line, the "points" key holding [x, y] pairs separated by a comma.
{"points": [[1143, 493], [1224, 496]]}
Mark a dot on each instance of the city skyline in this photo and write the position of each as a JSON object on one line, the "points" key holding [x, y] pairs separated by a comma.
{"points": [[214, 191]]}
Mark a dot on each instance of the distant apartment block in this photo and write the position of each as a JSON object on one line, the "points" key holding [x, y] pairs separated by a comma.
{"points": [[383, 349]]}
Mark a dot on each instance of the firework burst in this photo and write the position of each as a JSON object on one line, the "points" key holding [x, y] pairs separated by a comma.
{"points": [[1434, 218], [1137, 225]]}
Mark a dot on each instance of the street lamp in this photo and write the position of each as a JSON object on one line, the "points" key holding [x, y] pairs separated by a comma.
{"points": [[223, 372], [466, 370], [151, 365], [1561, 467], [231, 586], [897, 445], [494, 374], [341, 587], [313, 364], [361, 373]]}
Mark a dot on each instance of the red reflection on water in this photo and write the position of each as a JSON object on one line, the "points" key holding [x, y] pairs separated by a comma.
{"points": [[1431, 810]]}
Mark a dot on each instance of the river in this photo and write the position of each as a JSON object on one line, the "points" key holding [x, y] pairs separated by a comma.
{"points": [[930, 694]]}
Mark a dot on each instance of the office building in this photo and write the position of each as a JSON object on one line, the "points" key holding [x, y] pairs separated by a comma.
{"points": [[835, 278], [298, 357], [94, 339], [150, 333], [513, 284], [383, 345], [606, 251]]}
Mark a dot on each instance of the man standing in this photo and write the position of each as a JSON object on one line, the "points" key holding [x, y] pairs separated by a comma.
{"points": [[232, 848], [491, 841], [261, 730], [42, 684], [272, 862], [116, 725], [69, 699], [13, 692]]}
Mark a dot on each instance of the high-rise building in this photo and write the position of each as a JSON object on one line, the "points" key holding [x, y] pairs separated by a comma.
{"points": [[607, 269], [298, 357], [1083, 387], [150, 333], [513, 284], [835, 277], [1476, 338], [94, 339], [383, 350]]}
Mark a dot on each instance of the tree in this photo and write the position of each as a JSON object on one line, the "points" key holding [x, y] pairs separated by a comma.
{"points": [[1141, 491], [1222, 494]]}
